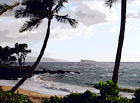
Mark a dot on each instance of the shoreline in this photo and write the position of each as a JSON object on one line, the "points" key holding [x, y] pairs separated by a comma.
{"points": [[34, 96]]}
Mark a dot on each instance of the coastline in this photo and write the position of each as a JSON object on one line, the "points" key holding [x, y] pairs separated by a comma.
{"points": [[34, 96]]}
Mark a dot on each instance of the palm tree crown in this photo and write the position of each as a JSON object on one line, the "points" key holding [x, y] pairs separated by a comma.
{"points": [[37, 10]]}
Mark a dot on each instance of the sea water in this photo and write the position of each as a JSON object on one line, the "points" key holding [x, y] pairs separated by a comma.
{"points": [[90, 74]]}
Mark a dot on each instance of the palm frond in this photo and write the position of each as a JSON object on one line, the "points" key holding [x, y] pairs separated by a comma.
{"points": [[59, 5], [22, 12], [29, 25], [66, 19], [110, 2], [32, 9], [4, 7], [36, 4]]}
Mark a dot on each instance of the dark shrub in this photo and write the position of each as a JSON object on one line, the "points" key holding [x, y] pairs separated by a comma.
{"points": [[9, 97], [137, 96]]}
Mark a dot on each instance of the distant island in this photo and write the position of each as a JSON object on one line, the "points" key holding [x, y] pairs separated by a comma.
{"points": [[87, 61]]}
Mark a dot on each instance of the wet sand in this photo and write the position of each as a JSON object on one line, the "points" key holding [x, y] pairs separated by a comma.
{"points": [[34, 96]]}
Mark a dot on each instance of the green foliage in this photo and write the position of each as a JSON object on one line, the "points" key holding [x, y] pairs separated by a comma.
{"points": [[87, 97], [108, 89], [109, 93], [10, 97], [52, 99], [137, 96]]}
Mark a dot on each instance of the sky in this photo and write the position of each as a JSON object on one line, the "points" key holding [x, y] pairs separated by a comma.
{"points": [[95, 38]]}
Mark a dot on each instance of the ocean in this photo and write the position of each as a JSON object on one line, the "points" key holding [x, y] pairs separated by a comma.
{"points": [[90, 74]]}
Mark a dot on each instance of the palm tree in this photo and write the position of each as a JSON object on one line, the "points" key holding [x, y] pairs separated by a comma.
{"points": [[37, 10], [4, 7], [121, 38]]}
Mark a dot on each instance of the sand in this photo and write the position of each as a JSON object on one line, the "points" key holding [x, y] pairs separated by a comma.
{"points": [[34, 96]]}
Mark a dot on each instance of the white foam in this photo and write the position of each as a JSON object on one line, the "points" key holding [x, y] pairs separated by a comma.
{"points": [[53, 88], [125, 94]]}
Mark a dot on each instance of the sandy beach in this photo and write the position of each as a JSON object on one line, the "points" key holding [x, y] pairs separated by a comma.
{"points": [[34, 96]]}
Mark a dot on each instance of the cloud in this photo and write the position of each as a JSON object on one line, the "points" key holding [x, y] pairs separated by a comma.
{"points": [[88, 16], [64, 33], [114, 29], [4, 37], [133, 15]]}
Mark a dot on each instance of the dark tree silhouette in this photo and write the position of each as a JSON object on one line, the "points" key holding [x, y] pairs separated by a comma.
{"points": [[7, 54], [121, 38], [1, 50], [37, 10], [12, 60], [4, 7], [21, 51]]}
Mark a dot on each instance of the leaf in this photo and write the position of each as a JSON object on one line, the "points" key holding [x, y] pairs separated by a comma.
{"points": [[66, 19], [59, 6], [29, 25]]}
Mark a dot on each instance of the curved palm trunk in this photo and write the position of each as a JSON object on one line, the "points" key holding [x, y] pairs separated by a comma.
{"points": [[37, 61], [120, 44]]}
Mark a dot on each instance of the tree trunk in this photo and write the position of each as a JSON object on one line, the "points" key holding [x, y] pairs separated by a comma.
{"points": [[120, 42], [36, 62]]}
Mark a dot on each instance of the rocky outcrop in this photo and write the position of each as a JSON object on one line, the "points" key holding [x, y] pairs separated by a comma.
{"points": [[14, 72]]}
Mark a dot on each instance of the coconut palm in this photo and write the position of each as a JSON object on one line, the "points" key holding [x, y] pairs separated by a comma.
{"points": [[121, 38], [4, 7], [37, 10]]}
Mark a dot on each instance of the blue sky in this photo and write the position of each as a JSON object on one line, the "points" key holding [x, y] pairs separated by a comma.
{"points": [[95, 38]]}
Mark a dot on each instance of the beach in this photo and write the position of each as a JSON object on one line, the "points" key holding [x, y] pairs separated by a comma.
{"points": [[46, 85], [34, 96]]}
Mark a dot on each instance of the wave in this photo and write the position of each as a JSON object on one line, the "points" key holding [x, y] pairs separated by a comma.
{"points": [[37, 78], [53, 87]]}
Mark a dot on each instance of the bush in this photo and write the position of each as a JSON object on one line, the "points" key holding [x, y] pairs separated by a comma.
{"points": [[108, 89], [109, 93], [87, 97], [10, 97], [52, 99], [137, 96]]}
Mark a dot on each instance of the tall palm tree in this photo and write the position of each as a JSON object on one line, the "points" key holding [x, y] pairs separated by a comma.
{"points": [[37, 10], [121, 38], [4, 7]]}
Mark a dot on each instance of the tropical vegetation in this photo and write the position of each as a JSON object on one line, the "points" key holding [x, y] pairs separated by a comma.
{"points": [[4, 7], [37, 10], [109, 93], [10, 97], [10, 55]]}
